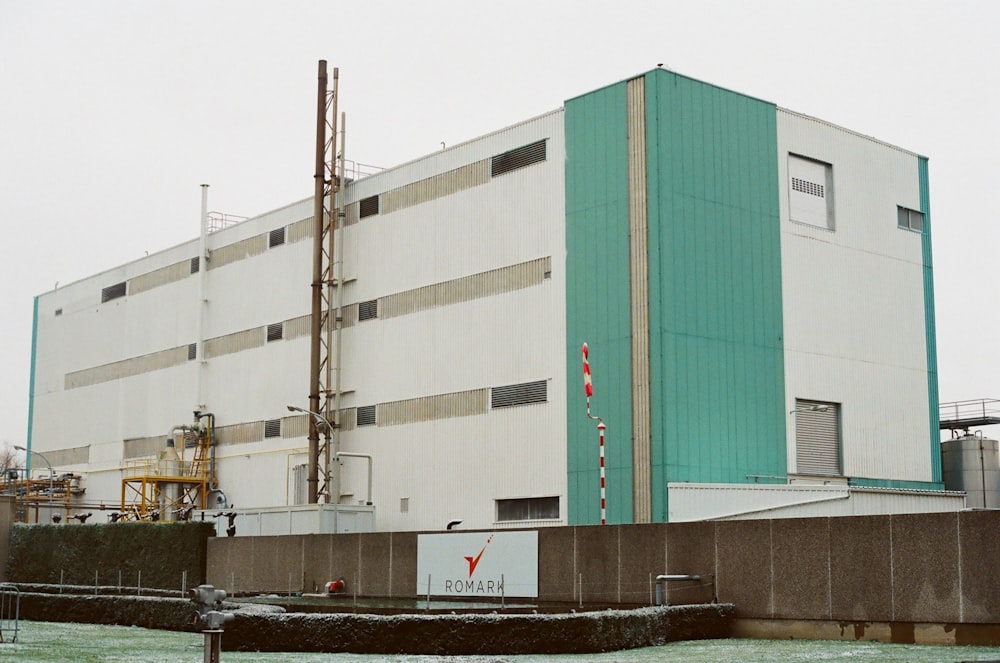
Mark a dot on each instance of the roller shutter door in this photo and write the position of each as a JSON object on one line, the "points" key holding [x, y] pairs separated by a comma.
{"points": [[817, 437]]}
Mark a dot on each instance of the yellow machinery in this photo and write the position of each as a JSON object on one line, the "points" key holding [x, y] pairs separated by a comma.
{"points": [[50, 493], [174, 483]]}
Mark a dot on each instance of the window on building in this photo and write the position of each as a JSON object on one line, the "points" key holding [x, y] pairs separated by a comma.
{"points": [[910, 219], [368, 310], [272, 428], [817, 437], [528, 508], [195, 264], [404, 504], [113, 292], [58, 311], [519, 394], [366, 415], [275, 238], [368, 207], [810, 192], [275, 331], [517, 158]]}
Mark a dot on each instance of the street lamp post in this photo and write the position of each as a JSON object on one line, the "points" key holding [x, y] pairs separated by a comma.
{"points": [[52, 473], [332, 454]]}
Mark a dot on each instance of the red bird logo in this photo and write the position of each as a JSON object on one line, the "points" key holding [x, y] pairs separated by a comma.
{"points": [[474, 561]]}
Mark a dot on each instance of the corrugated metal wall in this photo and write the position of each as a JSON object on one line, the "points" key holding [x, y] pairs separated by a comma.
{"points": [[715, 283], [855, 326], [598, 308]]}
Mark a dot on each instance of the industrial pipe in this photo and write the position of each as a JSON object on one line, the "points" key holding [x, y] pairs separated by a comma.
{"points": [[319, 177], [349, 454]]}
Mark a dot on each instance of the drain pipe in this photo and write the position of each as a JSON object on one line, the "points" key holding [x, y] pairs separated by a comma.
{"points": [[202, 298], [333, 473]]}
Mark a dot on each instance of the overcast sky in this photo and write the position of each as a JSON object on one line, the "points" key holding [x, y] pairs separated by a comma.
{"points": [[113, 113]]}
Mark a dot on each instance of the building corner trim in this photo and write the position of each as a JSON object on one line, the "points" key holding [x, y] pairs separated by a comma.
{"points": [[933, 398], [31, 385]]}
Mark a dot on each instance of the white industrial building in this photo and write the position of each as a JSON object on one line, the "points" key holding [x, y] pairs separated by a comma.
{"points": [[754, 285]]}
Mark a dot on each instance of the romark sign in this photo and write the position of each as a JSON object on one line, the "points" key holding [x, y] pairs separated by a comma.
{"points": [[478, 564]]}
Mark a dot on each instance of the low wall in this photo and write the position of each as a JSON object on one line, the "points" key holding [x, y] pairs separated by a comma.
{"points": [[163, 555], [7, 512], [263, 629], [920, 568], [573, 633]]}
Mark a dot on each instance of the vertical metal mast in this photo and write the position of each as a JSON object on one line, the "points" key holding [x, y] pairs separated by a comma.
{"points": [[327, 184]]}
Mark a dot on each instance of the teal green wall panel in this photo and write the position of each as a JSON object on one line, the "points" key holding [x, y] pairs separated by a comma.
{"points": [[933, 399], [716, 348], [597, 303], [717, 408]]}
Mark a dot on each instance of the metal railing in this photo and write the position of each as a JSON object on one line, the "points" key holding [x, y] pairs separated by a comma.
{"points": [[10, 612], [965, 414]]}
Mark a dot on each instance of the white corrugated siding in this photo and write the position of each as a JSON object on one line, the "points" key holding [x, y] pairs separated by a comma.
{"points": [[480, 253], [858, 340], [491, 249], [691, 502]]}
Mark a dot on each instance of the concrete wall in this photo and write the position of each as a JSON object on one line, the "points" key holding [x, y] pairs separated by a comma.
{"points": [[929, 568], [7, 512]]}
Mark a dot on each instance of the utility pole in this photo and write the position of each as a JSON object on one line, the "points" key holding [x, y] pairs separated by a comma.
{"points": [[326, 314]]}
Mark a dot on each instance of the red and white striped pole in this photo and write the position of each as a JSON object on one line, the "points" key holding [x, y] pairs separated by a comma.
{"points": [[588, 387]]}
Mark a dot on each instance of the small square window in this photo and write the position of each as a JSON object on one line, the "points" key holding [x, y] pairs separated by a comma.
{"points": [[276, 238], [58, 311], [366, 415], [368, 207], [910, 219], [113, 292], [368, 310]]}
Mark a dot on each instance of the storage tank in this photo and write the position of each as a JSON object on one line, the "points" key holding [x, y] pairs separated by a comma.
{"points": [[971, 463], [169, 464]]}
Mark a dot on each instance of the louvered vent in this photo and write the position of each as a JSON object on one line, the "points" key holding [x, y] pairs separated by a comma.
{"points": [[276, 237], [368, 310], [531, 508], [519, 394], [517, 158], [805, 186], [275, 331], [817, 437], [195, 264], [113, 292], [272, 428], [368, 207], [58, 311], [192, 351], [366, 415]]}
